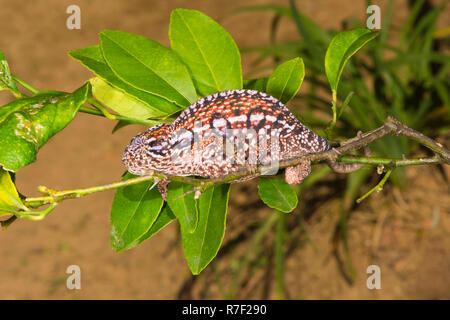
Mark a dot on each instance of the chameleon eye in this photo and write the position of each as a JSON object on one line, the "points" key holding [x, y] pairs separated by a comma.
{"points": [[155, 144], [156, 148]]}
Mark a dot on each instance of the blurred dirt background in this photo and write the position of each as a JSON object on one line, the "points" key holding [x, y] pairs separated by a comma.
{"points": [[405, 232]]}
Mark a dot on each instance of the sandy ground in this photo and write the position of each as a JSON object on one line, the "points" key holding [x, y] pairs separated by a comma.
{"points": [[396, 230]]}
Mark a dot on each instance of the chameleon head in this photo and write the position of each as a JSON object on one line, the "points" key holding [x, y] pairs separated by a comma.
{"points": [[149, 151]]}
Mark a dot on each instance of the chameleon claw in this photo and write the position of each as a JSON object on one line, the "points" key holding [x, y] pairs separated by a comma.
{"points": [[155, 182], [198, 193]]}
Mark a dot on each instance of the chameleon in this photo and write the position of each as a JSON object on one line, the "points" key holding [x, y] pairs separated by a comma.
{"points": [[197, 142]]}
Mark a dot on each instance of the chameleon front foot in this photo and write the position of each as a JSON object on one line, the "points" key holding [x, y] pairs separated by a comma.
{"points": [[162, 187]]}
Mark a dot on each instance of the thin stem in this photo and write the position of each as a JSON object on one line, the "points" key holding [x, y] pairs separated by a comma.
{"points": [[25, 85], [377, 188], [37, 215], [57, 196], [329, 129], [436, 147], [334, 107], [390, 162]]}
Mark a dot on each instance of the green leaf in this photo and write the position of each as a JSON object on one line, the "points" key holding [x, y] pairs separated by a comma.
{"points": [[6, 81], [27, 124], [165, 217], [147, 65], [341, 48], [277, 194], [286, 80], [151, 106], [183, 205], [9, 197], [134, 210], [208, 50], [120, 101], [201, 246]]}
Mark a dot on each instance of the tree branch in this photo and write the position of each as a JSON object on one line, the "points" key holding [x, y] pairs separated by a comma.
{"points": [[391, 126], [390, 163], [54, 196]]}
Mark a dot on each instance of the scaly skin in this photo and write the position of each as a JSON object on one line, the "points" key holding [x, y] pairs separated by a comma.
{"points": [[198, 141]]}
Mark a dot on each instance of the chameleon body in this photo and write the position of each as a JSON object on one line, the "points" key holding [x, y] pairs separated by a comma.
{"points": [[258, 127]]}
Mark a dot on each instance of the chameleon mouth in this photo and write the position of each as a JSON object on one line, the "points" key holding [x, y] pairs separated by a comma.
{"points": [[135, 165], [130, 157]]}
